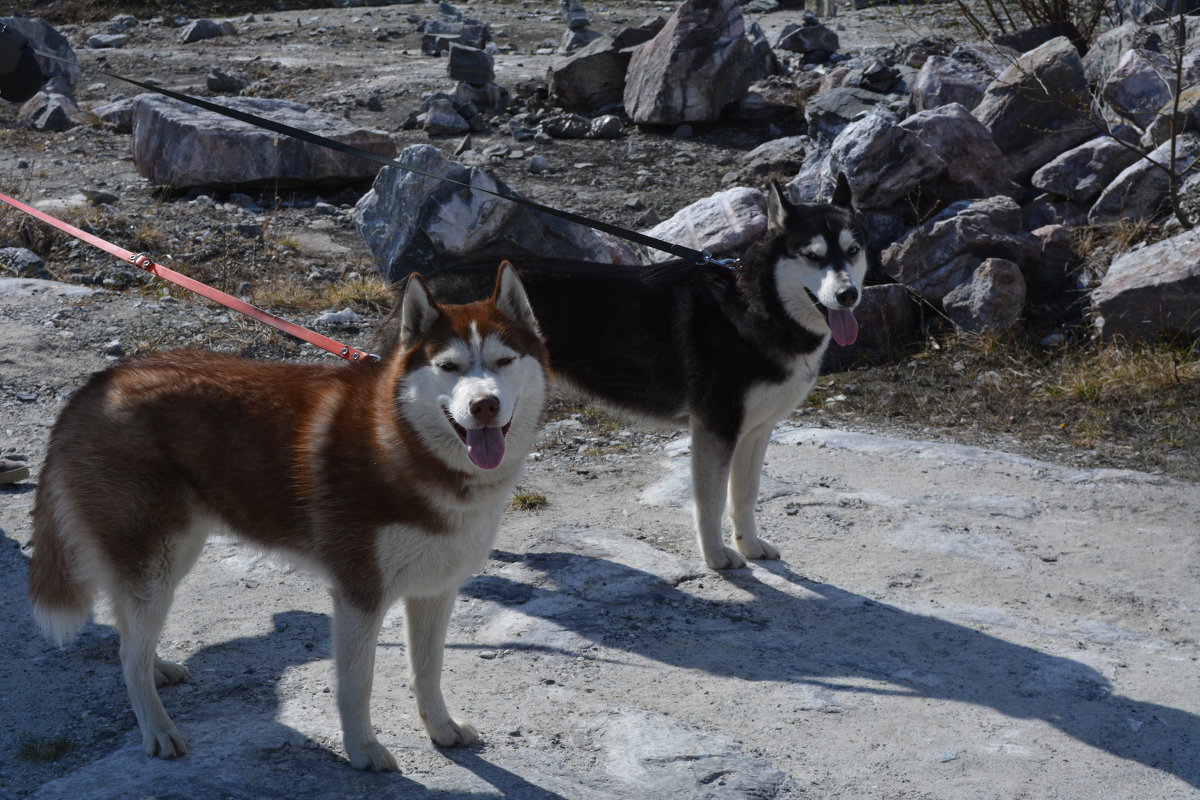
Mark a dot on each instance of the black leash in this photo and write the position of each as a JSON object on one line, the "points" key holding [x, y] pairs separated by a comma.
{"points": [[679, 251]]}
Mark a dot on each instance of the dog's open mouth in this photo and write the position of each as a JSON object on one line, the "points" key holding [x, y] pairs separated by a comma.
{"points": [[842, 324], [485, 446]]}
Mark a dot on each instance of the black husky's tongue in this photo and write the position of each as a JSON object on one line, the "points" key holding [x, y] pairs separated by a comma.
{"points": [[843, 326]]}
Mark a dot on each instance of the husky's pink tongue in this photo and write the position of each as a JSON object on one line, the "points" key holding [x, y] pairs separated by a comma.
{"points": [[485, 446], [844, 326]]}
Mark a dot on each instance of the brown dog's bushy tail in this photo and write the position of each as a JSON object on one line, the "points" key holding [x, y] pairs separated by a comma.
{"points": [[61, 598]]}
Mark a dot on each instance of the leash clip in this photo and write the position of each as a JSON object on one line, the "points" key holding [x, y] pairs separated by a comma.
{"points": [[731, 264]]}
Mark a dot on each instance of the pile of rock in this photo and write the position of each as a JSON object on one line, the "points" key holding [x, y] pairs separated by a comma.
{"points": [[975, 165], [55, 109], [978, 177]]}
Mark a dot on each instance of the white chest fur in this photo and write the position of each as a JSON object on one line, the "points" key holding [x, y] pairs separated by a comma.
{"points": [[414, 562], [767, 403]]}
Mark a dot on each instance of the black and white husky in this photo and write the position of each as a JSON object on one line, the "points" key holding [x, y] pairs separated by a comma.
{"points": [[726, 352]]}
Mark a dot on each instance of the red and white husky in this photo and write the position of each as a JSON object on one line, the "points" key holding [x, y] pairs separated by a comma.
{"points": [[388, 479]]}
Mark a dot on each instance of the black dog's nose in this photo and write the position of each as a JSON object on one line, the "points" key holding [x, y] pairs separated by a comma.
{"points": [[847, 297]]}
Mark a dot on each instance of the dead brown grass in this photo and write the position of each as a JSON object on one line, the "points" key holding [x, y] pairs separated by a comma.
{"points": [[1119, 405]]}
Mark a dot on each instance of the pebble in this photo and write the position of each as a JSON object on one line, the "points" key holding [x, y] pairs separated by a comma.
{"points": [[344, 317]]}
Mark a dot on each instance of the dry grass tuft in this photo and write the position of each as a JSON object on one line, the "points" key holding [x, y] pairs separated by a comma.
{"points": [[527, 501], [1119, 405]]}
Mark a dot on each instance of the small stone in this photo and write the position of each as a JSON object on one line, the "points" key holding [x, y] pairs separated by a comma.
{"points": [[105, 41], [608, 126]]}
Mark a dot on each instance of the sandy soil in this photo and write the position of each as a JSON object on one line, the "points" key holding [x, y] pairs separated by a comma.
{"points": [[947, 622]]}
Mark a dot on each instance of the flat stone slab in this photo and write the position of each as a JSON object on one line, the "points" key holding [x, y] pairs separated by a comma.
{"points": [[179, 145]]}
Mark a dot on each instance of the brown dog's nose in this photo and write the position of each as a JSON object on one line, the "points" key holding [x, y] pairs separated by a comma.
{"points": [[485, 409]]}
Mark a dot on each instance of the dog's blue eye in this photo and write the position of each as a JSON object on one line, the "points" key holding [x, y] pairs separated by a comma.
{"points": [[504, 362], [448, 366], [853, 251]]}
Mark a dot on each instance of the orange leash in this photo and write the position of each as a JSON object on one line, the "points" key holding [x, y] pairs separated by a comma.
{"points": [[145, 262]]}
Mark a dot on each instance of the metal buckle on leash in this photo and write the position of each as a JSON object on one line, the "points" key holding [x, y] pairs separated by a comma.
{"points": [[731, 264], [141, 260]]}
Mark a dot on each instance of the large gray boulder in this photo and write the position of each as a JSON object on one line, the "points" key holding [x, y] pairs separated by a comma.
{"points": [[201, 29], [1140, 85], [116, 116], [411, 222], [49, 111], [700, 63], [830, 111], [1151, 292], [961, 77], [443, 119], [814, 181], [991, 301], [471, 65], [975, 167], [1107, 49], [888, 166], [180, 145], [777, 155], [1081, 173], [812, 40], [1038, 107], [592, 78], [942, 253], [1140, 191], [1176, 116], [943, 80], [724, 224]]}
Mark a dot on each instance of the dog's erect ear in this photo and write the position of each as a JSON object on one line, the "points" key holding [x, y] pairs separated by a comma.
{"points": [[777, 206], [417, 312], [842, 196], [510, 298]]}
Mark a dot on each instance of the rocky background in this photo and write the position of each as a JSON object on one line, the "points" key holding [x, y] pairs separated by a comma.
{"points": [[982, 166]]}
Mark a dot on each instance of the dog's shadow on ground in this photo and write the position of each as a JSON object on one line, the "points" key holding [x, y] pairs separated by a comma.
{"points": [[300, 637], [840, 644], [228, 711]]}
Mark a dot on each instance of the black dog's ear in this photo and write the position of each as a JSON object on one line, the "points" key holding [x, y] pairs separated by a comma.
{"points": [[20, 75], [509, 296], [842, 196], [777, 205]]}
